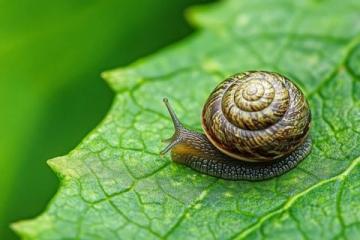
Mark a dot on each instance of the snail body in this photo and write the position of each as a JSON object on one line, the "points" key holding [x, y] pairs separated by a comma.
{"points": [[256, 126]]}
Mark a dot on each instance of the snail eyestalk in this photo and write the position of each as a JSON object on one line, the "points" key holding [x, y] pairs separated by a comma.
{"points": [[177, 124], [179, 129]]}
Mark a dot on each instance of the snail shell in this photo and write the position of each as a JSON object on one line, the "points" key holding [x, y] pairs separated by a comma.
{"points": [[256, 127], [256, 116]]}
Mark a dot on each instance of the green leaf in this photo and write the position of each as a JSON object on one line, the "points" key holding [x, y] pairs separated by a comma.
{"points": [[115, 185]]}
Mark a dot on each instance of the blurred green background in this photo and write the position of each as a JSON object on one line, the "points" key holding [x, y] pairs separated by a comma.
{"points": [[51, 93]]}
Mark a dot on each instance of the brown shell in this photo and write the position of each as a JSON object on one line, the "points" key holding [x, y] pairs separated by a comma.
{"points": [[256, 116]]}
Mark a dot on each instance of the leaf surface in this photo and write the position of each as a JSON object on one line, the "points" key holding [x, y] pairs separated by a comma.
{"points": [[115, 185]]}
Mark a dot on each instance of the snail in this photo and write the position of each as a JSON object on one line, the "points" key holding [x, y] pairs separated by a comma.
{"points": [[256, 126]]}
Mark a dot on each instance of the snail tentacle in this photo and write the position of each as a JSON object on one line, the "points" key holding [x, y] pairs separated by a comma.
{"points": [[178, 126]]}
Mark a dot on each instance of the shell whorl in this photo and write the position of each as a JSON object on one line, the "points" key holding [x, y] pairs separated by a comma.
{"points": [[256, 116]]}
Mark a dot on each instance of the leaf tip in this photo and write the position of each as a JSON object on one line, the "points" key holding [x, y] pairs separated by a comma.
{"points": [[121, 78], [59, 165], [200, 15], [20, 228], [28, 229]]}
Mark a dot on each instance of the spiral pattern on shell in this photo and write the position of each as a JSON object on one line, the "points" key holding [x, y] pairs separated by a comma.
{"points": [[256, 116]]}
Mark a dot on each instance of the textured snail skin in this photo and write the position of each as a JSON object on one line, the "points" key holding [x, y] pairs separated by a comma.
{"points": [[193, 149]]}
